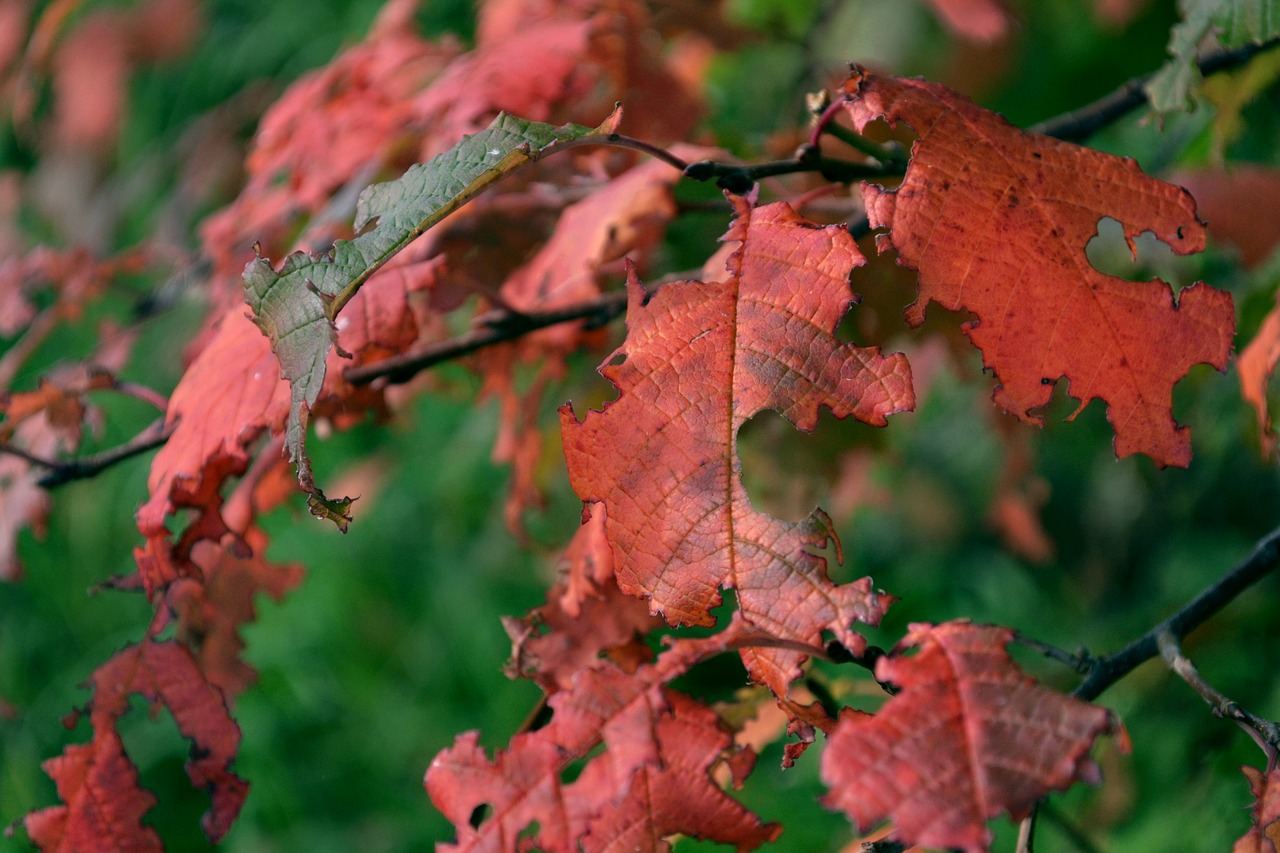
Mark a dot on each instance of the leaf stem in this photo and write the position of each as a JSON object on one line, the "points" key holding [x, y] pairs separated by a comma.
{"points": [[826, 123]]}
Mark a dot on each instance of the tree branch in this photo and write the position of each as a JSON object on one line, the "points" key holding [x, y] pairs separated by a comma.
{"points": [[505, 327], [1105, 671], [1082, 123], [65, 470], [1265, 732], [739, 179]]}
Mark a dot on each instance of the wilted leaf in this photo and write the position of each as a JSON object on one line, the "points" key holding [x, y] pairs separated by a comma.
{"points": [[699, 360], [104, 802], [296, 306], [968, 736], [997, 219], [1232, 23], [99, 784], [586, 616], [652, 737]]}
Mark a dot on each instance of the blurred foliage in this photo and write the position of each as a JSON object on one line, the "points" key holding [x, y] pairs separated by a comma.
{"points": [[392, 645]]}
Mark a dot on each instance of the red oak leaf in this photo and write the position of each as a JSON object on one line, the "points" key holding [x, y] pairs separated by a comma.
{"points": [[968, 737], [99, 784], [1264, 835], [210, 614], [652, 737], [627, 216], [585, 616], [676, 795], [699, 360], [1256, 365], [996, 221]]}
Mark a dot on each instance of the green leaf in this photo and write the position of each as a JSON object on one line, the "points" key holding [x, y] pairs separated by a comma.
{"points": [[295, 307], [1234, 23]]}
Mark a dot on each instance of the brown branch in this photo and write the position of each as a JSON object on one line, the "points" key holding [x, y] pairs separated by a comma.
{"points": [[1265, 732], [1107, 670], [507, 327], [740, 178], [65, 470], [1082, 123]]}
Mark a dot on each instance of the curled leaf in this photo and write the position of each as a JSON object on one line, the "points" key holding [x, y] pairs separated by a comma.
{"points": [[295, 306]]}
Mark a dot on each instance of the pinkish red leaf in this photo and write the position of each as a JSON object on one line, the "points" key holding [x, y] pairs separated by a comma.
{"points": [[968, 737], [699, 360], [996, 220], [1257, 364], [652, 738], [99, 784], [1264, 835]]}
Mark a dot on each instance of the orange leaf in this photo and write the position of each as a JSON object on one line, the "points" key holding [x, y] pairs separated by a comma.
{"points": [[968, 737], [699, 360], [996, 220]]}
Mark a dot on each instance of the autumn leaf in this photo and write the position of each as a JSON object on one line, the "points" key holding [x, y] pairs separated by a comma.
{"points": [[624, 217], [654, 739], [967, 737], [976, 20], [296, 306], [676, 794], [98, 772], [586, 616], [211, 612], [1256, 365], [996, 220], [213, 431], [699, 360], [1242, 207], [99, 784], [1264, 835]]}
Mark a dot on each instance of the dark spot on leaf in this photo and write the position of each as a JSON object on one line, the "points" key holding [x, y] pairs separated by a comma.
{"points": [[479, 815]]}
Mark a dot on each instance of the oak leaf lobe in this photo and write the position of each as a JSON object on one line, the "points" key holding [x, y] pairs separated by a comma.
{"points": [[967, 737], [700, 359], [996, 220]]}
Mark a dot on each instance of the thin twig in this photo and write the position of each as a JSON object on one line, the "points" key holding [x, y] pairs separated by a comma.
{"points": [[739, 179], [1077, 661], [65, 470], [1082, 123], [1265, 732], [402, 368], [1107, 670]]}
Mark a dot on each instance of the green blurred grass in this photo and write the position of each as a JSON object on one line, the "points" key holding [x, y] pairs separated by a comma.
{"points": [[392, 645]]}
